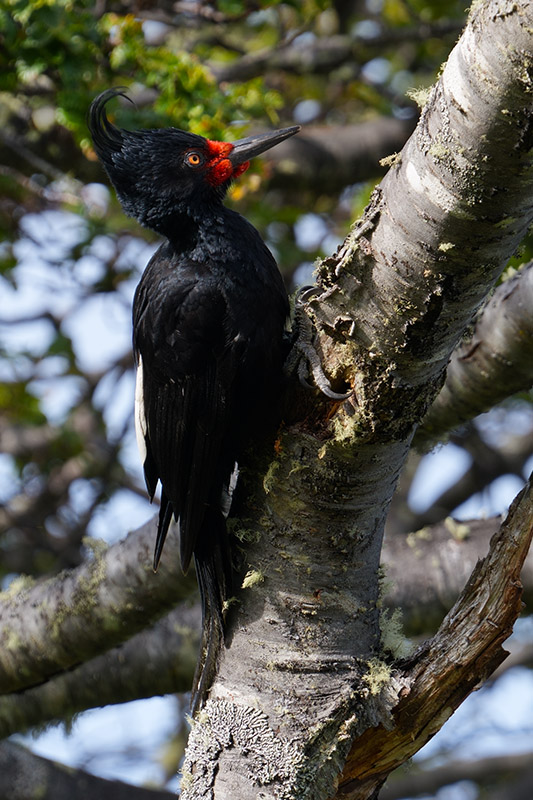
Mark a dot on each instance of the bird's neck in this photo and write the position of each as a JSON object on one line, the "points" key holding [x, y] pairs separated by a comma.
{"points": [[189, 230], [182, 230]]}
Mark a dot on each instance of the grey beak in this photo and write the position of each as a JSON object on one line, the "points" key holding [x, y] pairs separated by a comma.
{"points": [[245, 149]]}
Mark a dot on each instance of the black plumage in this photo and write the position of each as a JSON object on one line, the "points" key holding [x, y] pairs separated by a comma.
{"points": [[208, 322]]}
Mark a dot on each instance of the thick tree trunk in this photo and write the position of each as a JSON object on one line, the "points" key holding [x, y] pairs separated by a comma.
{"points": [[304, 679], [305, 631]]}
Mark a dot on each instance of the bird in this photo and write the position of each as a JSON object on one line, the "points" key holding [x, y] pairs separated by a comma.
{"points": [[209, 320]]}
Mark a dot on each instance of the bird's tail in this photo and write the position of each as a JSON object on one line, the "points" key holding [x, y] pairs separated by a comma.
{"points": [[213, 571], [165, 518]]}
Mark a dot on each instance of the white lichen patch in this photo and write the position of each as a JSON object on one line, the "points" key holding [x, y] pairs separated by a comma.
{"points": [[224, 725]]}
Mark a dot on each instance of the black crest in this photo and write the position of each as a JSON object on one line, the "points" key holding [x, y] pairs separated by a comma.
{"points": [[146, 166]]}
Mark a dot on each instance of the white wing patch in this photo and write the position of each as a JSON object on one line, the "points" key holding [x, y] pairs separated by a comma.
{"points": [[140, 415]]}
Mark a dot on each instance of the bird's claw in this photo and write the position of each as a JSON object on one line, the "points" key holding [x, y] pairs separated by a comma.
{"points": [[304, 356], [309, 358]]}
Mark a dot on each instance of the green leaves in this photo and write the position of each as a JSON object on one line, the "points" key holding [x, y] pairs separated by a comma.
{"points": [[19, 404]]}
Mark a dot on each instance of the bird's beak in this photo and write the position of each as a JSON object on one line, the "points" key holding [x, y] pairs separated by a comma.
{"points": [[245, 149]]}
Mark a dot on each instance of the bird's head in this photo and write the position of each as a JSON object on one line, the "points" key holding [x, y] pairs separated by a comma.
{"points": [[164, 173]]}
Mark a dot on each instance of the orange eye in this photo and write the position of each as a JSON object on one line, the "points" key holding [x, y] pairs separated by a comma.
{"points": [[193, 159]]}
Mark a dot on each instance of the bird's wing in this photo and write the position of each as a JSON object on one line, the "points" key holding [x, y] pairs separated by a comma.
{"points": [[188, 360]]}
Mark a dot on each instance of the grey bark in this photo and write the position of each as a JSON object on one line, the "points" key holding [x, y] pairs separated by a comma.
{"points": [[25, 776], [493, 363], [303, 680], [160, 660], [54, 625]]}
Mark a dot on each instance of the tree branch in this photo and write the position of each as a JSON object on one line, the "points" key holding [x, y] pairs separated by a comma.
{"points": [[426, 570], [429, 781], [488, 463], [464, 652], [495, 362], [327, 159], [57, 624], [24, 775], [157, 661], [325, 53]]}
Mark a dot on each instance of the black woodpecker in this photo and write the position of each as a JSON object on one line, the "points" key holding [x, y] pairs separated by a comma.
{"points": [[208, 336]]}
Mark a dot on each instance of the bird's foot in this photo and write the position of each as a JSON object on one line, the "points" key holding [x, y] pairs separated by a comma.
{"points": [[303, 357]]}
